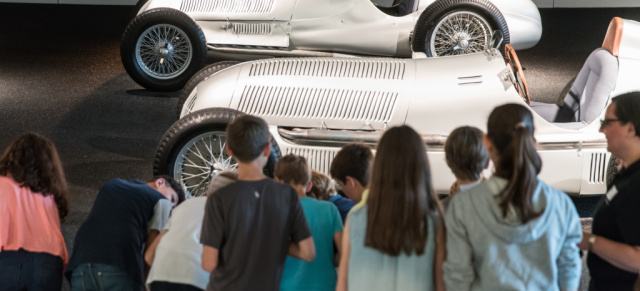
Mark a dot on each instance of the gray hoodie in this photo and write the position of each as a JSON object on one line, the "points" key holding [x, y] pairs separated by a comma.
{"points": [[486, 251]]}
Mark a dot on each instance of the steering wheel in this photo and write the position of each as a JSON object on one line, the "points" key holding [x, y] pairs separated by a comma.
{"points": [[520, 83]]}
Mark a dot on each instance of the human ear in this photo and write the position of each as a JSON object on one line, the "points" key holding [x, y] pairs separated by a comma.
{"points": [[350, 181], [229, 152], [631, 129], [308, 187], [160, 182], [487, 143], [267, 150]]}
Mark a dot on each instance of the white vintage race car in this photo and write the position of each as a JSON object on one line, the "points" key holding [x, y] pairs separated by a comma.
{"points": [[315, 105], [167, 42]]}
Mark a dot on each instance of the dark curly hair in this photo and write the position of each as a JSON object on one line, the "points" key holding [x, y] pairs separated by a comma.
{"points": [[32, 161]]}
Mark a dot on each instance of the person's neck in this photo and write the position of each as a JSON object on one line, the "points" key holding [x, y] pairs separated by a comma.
{"points": [[250, 171], [300, 190], [465, 182], [358, 195], [632, 157]]}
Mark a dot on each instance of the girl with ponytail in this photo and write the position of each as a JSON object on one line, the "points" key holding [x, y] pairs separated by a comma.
{"points": [[512, 231]]}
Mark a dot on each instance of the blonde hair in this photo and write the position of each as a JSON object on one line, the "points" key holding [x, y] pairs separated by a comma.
{"points": [[322, 187]]}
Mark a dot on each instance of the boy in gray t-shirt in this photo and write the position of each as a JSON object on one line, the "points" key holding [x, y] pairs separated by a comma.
{"points": [[250, 226]]}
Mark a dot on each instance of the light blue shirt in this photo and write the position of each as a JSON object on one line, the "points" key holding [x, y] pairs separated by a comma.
{"points": [[370, 269], [487, 251], [320, 274]]}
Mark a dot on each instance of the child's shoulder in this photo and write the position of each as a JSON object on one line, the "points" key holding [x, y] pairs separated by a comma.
{"points": [[321, 204]]}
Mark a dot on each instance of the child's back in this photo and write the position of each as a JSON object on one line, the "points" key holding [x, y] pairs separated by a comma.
{"points": [[261, 217], [250, 226], [326, 226], [320, 274]]}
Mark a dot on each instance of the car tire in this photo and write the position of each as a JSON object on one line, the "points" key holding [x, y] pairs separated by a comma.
{"points": [[154, 62], [435, 18], [200, 76], [197, 129]]}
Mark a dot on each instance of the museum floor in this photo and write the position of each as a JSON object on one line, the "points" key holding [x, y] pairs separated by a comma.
{"points": [[61, 76]]}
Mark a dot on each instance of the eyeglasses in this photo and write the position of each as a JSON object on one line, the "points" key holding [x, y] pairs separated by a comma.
{"points": [[605, 122]]}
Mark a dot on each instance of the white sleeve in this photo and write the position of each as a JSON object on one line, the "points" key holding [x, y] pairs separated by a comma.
{"points": [[160, 215]]}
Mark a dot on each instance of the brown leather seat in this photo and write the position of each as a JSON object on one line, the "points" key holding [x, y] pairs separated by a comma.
{"points": [[613, 37]]}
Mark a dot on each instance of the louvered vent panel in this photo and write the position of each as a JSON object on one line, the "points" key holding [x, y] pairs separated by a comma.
{"points": [[252, 28], [598, 168], [227, 6], [371, 69], [318, 103], [191, 103], [318, 159]]}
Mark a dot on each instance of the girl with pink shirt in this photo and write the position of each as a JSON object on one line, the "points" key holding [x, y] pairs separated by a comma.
{"points": [[34, 198]]}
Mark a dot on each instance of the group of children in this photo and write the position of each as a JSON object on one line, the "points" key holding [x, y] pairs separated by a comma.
{"points": [[251, 232], [388, 233]]}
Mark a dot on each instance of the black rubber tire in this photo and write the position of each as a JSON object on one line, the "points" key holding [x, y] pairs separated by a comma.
{"points": [[200, 76], [148, 19], [192, 125], [612, 171], [441, 8]]}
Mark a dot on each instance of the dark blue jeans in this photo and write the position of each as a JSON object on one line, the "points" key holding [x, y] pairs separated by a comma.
{"points": [[23, 270], [90, 277], [168, 286]]}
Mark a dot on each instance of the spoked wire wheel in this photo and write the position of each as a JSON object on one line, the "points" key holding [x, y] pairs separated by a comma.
{"points": [[163, 51], [200, 159], [460, 32]]}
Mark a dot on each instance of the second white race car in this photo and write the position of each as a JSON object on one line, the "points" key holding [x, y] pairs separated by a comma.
{"points": [[316, 105]]}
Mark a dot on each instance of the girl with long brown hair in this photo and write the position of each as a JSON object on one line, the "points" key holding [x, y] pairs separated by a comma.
{"points": [[396, 241], [512, 231], [33, 200]]}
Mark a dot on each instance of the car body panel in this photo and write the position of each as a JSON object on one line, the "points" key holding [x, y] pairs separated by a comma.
{"points": [[355, 96], [349, 26]]}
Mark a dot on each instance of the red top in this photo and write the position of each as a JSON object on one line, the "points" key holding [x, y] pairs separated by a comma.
{"points": [[29, 221]]}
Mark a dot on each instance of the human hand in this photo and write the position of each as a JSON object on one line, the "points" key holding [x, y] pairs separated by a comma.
{"points": [[584, 244]]}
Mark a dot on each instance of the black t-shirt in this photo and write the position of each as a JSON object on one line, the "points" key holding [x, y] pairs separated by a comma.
{"points": [[252, 223], [617, 220], [117, 226]]}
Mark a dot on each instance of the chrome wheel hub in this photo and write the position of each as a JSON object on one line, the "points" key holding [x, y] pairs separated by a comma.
{"points": [[200, 159], [460, 32], [163, 51], [463, 43]]}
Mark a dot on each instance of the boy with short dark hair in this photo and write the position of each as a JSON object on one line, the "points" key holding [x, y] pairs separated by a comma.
{"points": [[250, 226], [350, 169], [326, 226], [126, 216], [467, 157]]}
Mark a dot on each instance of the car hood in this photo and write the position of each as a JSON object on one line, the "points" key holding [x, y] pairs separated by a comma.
{"points": [[343, 93]]}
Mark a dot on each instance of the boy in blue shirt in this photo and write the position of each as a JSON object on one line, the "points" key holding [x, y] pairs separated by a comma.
{"points": [[326, 228]]}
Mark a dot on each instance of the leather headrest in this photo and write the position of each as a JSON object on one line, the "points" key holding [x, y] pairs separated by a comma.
{"points": [[613, 37]]}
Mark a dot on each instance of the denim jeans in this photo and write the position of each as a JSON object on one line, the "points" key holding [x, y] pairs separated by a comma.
{"points": [[23, 270], [98, 277], [168, 286]]}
